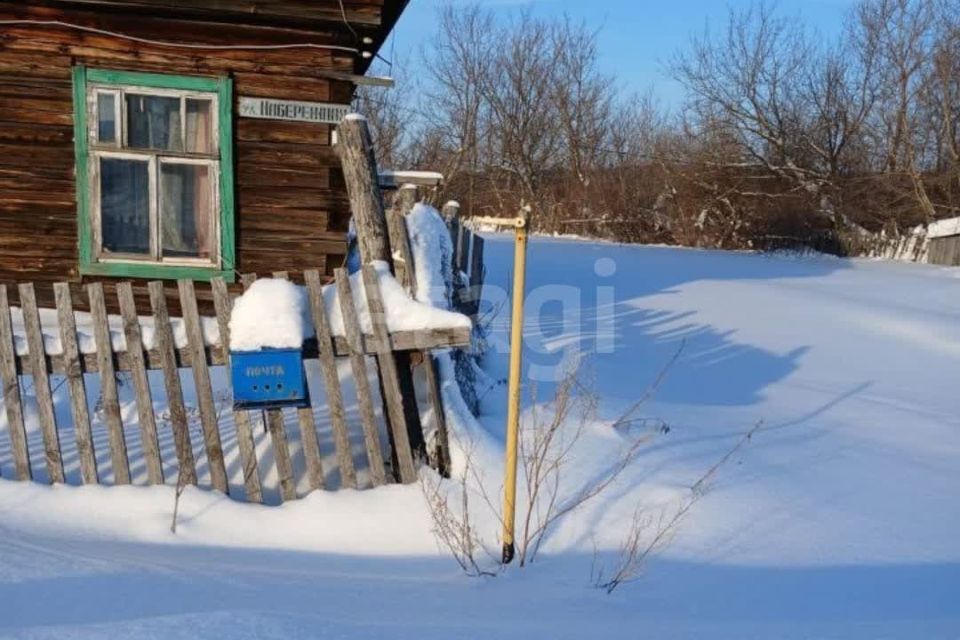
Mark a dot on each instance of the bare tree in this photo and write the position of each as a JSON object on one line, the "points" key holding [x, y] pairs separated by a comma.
{"points": [[455, 117], [391, 118], [783, 139], [747, 84], [901, 33]]}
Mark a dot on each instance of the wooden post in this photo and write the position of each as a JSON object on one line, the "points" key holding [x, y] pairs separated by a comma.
{"points": [[204, 389], [355, 148], [241, 419], [407, 197], [171, 381], [11, 391], [358, 364], [108, 385], [41, 383], [141, 383], [400, 238], [75, 383]]}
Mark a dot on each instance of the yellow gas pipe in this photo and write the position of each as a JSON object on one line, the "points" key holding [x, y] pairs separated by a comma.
{"points": [[513, 381]]}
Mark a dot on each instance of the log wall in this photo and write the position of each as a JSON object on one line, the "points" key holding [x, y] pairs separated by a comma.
{"points": [[291, 204]]}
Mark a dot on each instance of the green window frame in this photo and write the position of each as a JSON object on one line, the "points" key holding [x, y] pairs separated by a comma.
{"points": [[91, 264]]}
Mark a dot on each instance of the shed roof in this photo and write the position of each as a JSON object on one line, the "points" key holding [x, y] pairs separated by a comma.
{"points": [[944, 228]]}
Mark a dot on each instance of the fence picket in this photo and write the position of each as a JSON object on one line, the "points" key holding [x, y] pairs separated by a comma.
{"points": [[11, 392], [463, 253], [108, 385], [247, 279], [442, 453], [455, 229], [141, 383], [204, 388], [171, 381], [241, 419], [273, 423], [310, 441], [331, 381], [75, 383], [281, 453], [358, 365], [41, 383], [476, 276], [390, 376]]}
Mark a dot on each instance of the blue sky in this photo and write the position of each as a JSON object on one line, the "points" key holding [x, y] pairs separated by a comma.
{"points": [[637, 37]]}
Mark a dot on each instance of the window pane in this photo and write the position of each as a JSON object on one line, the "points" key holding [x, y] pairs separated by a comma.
{"points": [[124, 206], [153, 122], [106, 117], [186, 210], [199, 126]]}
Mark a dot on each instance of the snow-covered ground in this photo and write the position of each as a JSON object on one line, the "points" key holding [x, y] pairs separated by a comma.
{"points": [[839, 519]]}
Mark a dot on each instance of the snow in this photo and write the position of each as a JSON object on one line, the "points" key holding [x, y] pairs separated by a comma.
{"points": [[837, 520], [272, 312], [276, 313], [432, 250], [402, 312], [85, 335], [391, 177], [943, 228]]}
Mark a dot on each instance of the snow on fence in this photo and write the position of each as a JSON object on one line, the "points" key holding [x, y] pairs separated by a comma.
{"points": [[155, 343]]}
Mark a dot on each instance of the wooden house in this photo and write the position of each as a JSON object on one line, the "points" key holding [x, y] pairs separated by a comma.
{"points": [[166, 139]]}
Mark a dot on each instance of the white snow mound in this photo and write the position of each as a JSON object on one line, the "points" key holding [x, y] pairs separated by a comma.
{"points": [[403, 312], [275, 313], [271, 313]]}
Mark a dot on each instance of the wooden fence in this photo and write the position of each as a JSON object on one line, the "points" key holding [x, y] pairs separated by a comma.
{"points": [[199, 357], [467, 260], [394, 354]]}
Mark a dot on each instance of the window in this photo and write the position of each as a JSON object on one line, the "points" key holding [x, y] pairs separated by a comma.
{"points": [[154, 174]]}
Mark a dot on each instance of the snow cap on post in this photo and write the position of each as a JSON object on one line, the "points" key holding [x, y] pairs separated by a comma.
{"points": [[451, 210]]}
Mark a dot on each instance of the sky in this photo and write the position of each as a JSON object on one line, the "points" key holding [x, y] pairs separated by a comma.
{"points": [[636, 38]]}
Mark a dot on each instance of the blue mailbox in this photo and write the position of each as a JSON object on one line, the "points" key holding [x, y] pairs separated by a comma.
{"points": [[268, 379]]}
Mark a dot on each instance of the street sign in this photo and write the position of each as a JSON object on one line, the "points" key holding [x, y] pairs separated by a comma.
{"points": [[296, 110]]}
